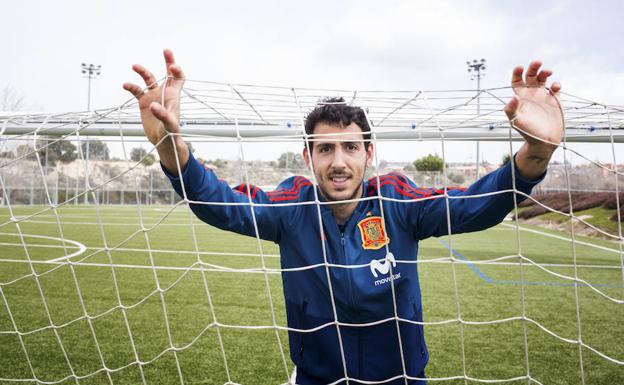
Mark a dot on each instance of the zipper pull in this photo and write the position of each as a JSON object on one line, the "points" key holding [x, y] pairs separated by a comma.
{"points": [[342, 240]]}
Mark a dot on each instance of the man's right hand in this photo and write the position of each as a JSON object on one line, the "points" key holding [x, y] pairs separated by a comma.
{"points": [[160, 120]]}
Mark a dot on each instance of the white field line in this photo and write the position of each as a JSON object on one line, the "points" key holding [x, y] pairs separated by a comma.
{"points": [[112, 249], [90, 216], [222, 254], [214, 253], [136, 224], [128, 207], [158, 217], [563, 238], [497, 263], [81, 248], [180, 268], [105, 223]]}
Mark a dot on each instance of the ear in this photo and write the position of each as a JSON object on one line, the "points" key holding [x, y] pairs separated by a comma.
{"points": [[370, 152], [306, 157]]}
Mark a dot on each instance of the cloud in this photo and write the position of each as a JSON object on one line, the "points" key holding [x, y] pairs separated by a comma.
{"points": [[325, 44], [416, 43]]}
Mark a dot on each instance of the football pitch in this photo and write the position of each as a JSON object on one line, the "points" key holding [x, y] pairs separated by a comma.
{"points": [[64, 321]]}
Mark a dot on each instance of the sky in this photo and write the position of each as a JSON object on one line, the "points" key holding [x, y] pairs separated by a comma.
{"points": [[326, 44]]}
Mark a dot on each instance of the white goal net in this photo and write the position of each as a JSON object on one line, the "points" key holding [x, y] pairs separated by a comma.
{"points": [[106, 276]]}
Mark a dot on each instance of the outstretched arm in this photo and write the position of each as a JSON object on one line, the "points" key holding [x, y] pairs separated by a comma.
{"points": [[536, 113], [161, 119]]}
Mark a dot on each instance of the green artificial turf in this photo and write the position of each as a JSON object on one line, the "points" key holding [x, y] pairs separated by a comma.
{"points": [[152, 316], [597, 216]]}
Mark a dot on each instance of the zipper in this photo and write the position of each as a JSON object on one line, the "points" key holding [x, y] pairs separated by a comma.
{"points": [[352, 303], [304, 307], [357, 215], [348, 272], [355, 311], [360, 353]]}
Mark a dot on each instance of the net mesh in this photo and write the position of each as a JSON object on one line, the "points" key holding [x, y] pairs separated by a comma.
{"points": [[69, 257]]}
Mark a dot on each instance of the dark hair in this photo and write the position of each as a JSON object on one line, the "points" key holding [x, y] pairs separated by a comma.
{"points": [[335, 111]]}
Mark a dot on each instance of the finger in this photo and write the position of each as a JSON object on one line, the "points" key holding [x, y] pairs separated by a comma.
{"points": [[555, 88], [166, 117], [169, 59], [512, 107], [176, 71], [516, 77], [148, 77], [531, 73], [134, 89], [542, 77]]}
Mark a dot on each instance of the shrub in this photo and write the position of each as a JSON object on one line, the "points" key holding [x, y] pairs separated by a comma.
{"points": [[611, 202], [614, 217], [561, 202]]}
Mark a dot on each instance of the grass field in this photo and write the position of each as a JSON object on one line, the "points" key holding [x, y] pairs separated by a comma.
{"points": [[486, 292], [597, 216]]}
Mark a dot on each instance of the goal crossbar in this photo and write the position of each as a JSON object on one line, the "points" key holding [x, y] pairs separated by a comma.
{"points": [[250, 131]]}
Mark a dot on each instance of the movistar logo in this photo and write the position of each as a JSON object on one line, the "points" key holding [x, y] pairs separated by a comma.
{"points": [[382, 267]]}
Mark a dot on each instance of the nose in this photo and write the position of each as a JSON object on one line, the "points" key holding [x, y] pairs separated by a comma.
{"points": [[339, 159]]}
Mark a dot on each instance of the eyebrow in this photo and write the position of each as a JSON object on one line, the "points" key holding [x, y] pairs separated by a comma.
{"points": [[342, 142]]}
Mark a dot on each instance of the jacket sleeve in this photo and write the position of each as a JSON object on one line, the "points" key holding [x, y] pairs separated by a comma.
{"points": [[469, 213], [221, 206]]}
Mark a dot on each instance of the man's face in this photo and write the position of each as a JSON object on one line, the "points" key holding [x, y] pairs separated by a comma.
{"points": [[339, 161]]}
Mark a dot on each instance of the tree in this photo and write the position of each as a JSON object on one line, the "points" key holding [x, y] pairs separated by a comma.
{"points": [[456, 178], [139, 154], [149, 160], [57, 150], [429, 163], [218, 163], [23, 149], [98, 150], [65, 150], [290, 160], [11, 100], [409, 167]]}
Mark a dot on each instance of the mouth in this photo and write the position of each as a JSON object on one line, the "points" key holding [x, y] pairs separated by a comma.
{"points": [[339, 181]]}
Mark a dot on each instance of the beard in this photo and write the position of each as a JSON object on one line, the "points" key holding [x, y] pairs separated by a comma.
{"points": [[330, 198], [357, 191]]}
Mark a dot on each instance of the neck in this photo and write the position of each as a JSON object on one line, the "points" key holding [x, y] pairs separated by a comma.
{"points": [[343, 211]]}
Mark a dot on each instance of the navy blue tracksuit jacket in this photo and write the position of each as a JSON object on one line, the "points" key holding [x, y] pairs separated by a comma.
{"points": [[378, 253]]}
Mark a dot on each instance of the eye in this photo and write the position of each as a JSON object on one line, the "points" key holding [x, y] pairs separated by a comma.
{"points": [[323, 148], [352, 147]]}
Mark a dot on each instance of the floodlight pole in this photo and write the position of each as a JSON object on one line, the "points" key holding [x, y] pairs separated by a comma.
{"points": [[91, 71], [477, 70]]}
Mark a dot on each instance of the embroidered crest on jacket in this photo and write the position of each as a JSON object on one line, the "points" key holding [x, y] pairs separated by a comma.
{"points": [[373, 233]]}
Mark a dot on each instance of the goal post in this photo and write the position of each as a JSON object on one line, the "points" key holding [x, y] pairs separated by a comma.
{"points": [[107, 276]]}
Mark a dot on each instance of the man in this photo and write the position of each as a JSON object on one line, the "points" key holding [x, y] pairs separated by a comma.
{"points": [[352, 296]]}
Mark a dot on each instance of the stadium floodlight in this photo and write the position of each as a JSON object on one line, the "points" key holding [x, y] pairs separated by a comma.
{"points": [[91, 71], [477, 70]]}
